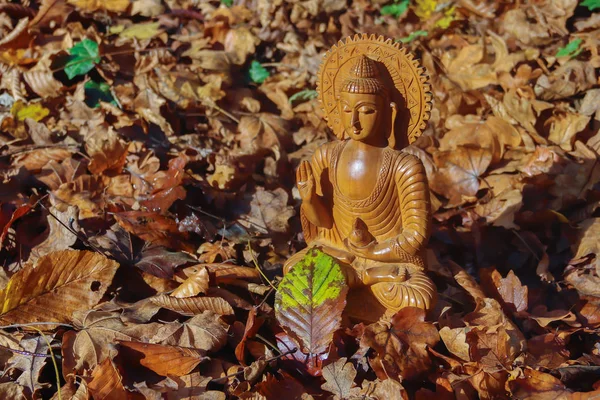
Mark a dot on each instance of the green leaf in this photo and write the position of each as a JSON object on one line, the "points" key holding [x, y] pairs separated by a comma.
{"points": [[257, 72], [571, 50], [590, 4], [395, 10], [304, 95], [227, 3], [82, 58], [310, 300], [96, 92], [413, 36]]}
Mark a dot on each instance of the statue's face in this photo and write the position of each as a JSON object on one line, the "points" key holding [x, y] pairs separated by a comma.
{"points": [[362, 115]]}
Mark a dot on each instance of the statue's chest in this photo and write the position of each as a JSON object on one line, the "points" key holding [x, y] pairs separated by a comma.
{"points": [[357, 176]]}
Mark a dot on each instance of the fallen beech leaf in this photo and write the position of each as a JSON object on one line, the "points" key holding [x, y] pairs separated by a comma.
{"points": [[43, 83], [34, 111], [116, 6], [538, 385], [339, 378], [310, 300], [194, 285], [51, 12], [106, 382], [167, 360], [193, 305], [160, 262], [152, 227], [59, 284], [459, 172], [35, 160], [59, 237], [548, 350], [251, 328], [6, 223]]}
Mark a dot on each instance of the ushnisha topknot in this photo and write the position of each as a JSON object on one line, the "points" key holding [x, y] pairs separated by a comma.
{"points": [[364, 78]]}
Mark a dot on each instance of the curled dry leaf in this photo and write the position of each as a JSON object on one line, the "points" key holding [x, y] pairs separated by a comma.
{"points": [[205, 331], [167, 360], [59, 284], [43, 83], [193, 305], [106, 382], [197, 283]]}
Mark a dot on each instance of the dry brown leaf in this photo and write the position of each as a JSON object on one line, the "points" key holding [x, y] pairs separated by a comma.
{"points": [[51, 13], [106, 150], [167, 360], [116, 6], [459, 173], [513, 293], [455, 340], [59, 284], [36, 159], [205, 331], [339, 378], [269, 212], [85, 193], [193, 305], [43, 83], [196, 283], [564, 128], [59, 237], [106, 382]]}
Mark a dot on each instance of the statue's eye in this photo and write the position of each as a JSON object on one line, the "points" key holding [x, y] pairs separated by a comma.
{"points": [[366, 110], [347, 109]]}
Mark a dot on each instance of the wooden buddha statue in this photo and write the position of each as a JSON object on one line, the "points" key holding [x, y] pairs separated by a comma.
{"points": [[364, 200]]}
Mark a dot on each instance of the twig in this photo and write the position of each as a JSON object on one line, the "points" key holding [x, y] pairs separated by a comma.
{"points": [[24, 352], [33, 324], [243, 370]]}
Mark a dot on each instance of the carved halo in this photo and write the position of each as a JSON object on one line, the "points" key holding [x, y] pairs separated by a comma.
{"points": [[408, 77]]}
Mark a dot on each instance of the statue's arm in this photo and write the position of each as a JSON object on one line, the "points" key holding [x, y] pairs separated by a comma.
{"points": [[314, 205], [413, 194]]}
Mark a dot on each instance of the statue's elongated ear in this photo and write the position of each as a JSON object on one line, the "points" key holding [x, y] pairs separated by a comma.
{"points": [[392, 138]]}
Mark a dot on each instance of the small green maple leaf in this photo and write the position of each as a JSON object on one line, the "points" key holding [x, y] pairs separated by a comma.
{"points": [[96, 92], [227, 3], [590, 4], [257, 72], [396, 9], [570, 50], [82, 58]]}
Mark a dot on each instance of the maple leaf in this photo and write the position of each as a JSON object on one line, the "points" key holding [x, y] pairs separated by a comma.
{"points": [[310, 300], [339, 378]]}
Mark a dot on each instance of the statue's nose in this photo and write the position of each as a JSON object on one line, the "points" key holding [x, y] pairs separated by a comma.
{"points": [[354, 121]]}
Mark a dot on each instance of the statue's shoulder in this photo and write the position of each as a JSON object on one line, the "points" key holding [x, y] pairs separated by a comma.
{"points": [[407, 163]]}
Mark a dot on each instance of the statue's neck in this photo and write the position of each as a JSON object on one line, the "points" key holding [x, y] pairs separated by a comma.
{"points": [[369, 144]]}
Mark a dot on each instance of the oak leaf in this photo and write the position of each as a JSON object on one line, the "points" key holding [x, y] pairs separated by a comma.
{"points": [[59, 284]]}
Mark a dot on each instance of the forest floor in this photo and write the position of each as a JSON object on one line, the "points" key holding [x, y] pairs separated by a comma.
{"points": [[147, 167]]}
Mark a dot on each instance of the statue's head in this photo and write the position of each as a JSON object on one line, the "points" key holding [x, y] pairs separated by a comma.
{"points": [[365, 105]]}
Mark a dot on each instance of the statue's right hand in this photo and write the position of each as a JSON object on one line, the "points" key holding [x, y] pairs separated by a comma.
{"points": [[305, 181]]}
